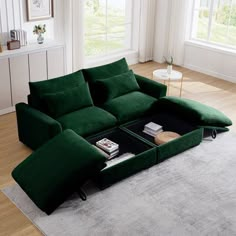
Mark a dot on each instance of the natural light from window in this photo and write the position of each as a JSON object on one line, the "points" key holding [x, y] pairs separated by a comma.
{"points": [[108, 26], [214, 21]]}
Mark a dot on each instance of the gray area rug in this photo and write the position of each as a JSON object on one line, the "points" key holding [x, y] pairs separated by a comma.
{"points": [[193, 193]]}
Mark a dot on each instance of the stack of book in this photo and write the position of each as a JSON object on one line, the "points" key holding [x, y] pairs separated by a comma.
{"points": [[20, 35], [110, 149], [119, 159], [152, 129]]}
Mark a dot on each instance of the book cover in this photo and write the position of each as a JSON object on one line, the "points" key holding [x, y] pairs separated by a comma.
{"points": [[152, 133], [152, 126], [107, 145], [107, 155], [119, 159], [13, 34]]}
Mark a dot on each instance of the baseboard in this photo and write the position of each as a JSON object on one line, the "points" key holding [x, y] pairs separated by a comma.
{"points": [[211, 73], [159, 60], [7, 110], [132, 61]]}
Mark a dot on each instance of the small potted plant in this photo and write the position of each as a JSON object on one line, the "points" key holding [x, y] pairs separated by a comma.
{"points": [[39, 30], [169, 63]]}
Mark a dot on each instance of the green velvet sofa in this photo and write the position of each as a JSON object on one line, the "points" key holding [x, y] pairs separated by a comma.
{"points": [[117, 96], [66, 116]]}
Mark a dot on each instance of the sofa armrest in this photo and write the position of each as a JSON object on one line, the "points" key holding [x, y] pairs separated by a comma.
{"points": [[151, 87], [34, 127]]}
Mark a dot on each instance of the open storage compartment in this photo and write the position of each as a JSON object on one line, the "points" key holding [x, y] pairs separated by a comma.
{"points": [[191, 135], [120, 166]]}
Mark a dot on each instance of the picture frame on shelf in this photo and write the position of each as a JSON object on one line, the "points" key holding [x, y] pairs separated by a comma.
{"points": [[39, 9]]}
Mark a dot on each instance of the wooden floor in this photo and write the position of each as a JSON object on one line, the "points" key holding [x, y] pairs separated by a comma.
{"points": [[209, 90]]}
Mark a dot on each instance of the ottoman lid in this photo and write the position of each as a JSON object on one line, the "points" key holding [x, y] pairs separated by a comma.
{"points": [[57, 169]]}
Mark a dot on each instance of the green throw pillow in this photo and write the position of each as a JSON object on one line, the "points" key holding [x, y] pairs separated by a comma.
{"points": [[57, 169], [118, 85], [38, 89], [106, 71], [199, 113], [103, 72], [58, 104]]}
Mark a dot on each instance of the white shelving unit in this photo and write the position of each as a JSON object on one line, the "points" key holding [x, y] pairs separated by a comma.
{"points": [[30, 63]]}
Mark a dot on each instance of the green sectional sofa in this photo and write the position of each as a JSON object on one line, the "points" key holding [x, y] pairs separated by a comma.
{"points": [[66, 116]]}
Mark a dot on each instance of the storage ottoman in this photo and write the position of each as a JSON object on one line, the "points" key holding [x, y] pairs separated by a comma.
{"points": [[191, 135], [57, 169], [122, 166]]}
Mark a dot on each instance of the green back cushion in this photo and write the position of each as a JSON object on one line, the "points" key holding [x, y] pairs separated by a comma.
{"points": [[106, 71], [199, 113], [60, 103], [117, 85], [38, 89], [57, 169], [95, 74]]}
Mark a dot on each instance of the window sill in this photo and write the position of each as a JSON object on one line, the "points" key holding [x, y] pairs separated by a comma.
{"points": [[211, 47]]}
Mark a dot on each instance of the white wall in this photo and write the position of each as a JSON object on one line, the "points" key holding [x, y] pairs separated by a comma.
{"points": [[210, 60], [13, 15]]}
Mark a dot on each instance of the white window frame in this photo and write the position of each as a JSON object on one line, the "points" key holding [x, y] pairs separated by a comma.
{"points": [[130, 39], [207, 41]]}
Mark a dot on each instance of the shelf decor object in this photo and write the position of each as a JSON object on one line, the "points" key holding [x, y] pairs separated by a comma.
{"points": [[40, 30], [12, 45], [169, 63], [39, 9]]}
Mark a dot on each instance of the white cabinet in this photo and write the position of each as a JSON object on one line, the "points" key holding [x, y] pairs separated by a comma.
{"points": [[56, 65], [24, 65], [38, 66], [5, 85], [19, 68]]}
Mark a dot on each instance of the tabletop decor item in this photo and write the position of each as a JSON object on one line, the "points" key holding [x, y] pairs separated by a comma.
{"points": [[40, 30], [169, 63], [165, 137], [13, 44], [20, 35]]}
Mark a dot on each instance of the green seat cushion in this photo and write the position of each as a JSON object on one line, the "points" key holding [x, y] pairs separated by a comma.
{"points": [[60, 103], [117, 85], [130, 106], [38, 89], [87, 121], [106, 71], [57, 169], [199, 113]]}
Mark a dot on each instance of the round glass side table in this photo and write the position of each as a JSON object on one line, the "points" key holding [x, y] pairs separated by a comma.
{"points": [[161, 74]]}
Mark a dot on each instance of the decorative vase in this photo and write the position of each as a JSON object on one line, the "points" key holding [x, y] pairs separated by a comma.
{"points": [[40, 39], [169, 69]]}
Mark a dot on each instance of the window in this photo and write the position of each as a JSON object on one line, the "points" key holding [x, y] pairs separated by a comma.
{"points": [[214, 21], [108, 26]]}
